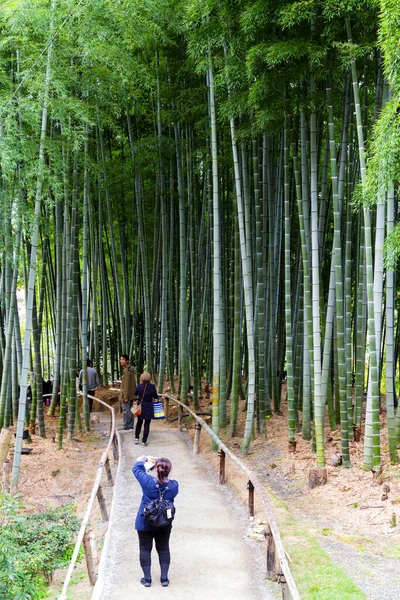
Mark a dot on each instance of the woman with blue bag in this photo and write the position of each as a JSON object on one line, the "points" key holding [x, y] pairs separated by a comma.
{"points": [[147, 393]]}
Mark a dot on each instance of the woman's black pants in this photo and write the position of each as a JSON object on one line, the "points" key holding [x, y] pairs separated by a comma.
{"points": [[161, 537], [145, 430]]}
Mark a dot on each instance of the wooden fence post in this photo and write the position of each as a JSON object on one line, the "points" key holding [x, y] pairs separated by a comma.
{"points": [[166, 408], [271, 558], [108, 471], [196, 441], [221, 455], [102, 503], [180, 412], [286, 595], [89, 558], [250, 487], [115, 448]]}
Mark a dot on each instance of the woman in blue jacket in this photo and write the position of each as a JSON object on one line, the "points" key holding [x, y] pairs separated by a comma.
{"points": [[151, 487]]}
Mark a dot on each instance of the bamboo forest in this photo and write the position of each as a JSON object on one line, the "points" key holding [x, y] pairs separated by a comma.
{"points": [[208, 186]]}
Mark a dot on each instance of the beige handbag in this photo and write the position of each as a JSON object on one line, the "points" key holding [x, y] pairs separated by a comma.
{"points": [[136, 409]]}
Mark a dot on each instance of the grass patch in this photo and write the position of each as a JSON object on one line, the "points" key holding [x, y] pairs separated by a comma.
{"points": [[392, 552], [351, 540], [317, 577], [356, 542], [78, 577]]}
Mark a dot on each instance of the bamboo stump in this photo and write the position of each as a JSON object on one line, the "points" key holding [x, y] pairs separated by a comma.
{"points": [[377, 476], [7, 466], [316, 477], [292, 447], [5, 438]]}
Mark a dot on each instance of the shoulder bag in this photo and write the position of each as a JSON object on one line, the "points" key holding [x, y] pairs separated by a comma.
{"points": [[136, 409]]}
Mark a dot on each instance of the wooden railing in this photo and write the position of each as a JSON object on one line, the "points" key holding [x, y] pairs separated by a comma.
{"points": [[277, 567], [97, 492]]}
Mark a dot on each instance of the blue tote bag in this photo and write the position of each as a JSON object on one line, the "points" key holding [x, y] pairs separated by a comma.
{"points": [[158, 410]]}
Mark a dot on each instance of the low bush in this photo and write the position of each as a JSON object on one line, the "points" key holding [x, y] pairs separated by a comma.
{"points": [[32, 547]]}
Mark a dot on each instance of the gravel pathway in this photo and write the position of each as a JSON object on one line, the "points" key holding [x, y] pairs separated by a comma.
{"points": [[211, 557], [377, 576]]}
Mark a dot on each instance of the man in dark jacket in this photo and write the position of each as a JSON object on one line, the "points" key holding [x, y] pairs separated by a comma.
{"points": [[127, 394]]}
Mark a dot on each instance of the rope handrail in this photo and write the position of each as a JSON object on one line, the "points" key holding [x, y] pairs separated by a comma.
{"points": [[257, 485], [89, 506]]}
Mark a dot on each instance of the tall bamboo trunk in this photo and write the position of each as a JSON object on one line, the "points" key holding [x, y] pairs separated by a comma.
{"points": [[32, 267]]}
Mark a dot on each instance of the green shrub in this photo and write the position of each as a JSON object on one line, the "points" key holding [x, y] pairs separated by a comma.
{"points": [[32, 547], [15, 582]]}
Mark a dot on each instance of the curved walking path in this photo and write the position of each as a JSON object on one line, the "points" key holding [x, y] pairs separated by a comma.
{"points": [[210, 557]]}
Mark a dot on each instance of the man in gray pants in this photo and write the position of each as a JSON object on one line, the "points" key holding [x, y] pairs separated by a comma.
{"points": [[128, 388], [92, 382]]}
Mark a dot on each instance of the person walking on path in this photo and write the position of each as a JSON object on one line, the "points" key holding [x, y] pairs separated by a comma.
{"points": [[92, 379], [127, 394], [151, 488], [146, 392]]}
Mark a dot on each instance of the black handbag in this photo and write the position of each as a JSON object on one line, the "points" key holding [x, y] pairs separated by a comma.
{"points": [[159, 512]]}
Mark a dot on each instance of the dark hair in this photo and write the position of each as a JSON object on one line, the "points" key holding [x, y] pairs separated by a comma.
{"points": [[89, 362], [125, 356], [163, 468]]}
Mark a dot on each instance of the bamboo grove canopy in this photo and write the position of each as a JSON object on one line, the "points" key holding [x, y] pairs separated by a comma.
{"points": [[210, 187]]}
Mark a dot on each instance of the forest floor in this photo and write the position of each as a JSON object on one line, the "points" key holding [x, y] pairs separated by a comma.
{"points": [[355, 516], [352, 516], [352, 501]]}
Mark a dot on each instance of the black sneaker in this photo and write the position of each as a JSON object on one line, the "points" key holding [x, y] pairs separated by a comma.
{"points": [[165, 582], [145, 582]]}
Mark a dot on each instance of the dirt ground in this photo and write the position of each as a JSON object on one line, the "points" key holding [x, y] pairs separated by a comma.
{"points": [[352, 506], [53, 477]]}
